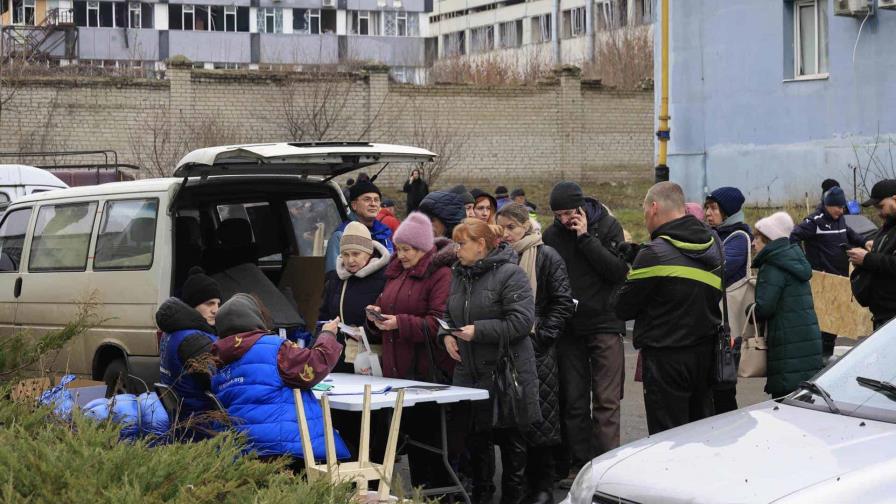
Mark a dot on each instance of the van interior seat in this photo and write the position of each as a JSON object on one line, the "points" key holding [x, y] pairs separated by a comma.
{"points": [[249, 278], [234, 247], [142, 233]]}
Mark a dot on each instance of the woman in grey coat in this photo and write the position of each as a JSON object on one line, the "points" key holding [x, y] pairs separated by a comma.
{"points": [[490, 301]]}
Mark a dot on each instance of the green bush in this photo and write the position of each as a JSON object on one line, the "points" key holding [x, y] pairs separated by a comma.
{"points": [[47, 460]]}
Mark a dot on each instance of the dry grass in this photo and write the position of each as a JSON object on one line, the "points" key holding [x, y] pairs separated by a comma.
{"points": [[624, 58], [491, 69]]}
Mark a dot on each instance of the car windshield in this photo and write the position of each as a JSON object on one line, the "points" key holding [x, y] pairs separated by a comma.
{"points": [[854, 382]]}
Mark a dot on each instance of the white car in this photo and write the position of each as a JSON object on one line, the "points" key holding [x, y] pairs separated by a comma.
{"points": [[833, 440]]}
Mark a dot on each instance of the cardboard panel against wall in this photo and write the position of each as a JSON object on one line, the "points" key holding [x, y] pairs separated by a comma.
{"points": [[838, 312]]}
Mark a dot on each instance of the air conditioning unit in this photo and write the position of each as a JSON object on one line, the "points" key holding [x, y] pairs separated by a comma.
{"points": [[886, 4], [853, 8], [329, 3], [396, 4]]}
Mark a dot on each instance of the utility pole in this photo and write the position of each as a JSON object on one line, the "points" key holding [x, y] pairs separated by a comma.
{"points": [[661, 172]]}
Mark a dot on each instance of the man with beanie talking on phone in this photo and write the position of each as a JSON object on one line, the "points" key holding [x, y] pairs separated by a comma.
{"points": [[590, 352]]}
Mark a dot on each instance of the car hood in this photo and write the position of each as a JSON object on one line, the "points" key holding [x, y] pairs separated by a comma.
{"points": [[764, 453]]}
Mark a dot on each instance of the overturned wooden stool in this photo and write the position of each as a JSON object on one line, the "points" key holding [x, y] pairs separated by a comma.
{"points": [[363, 470]]}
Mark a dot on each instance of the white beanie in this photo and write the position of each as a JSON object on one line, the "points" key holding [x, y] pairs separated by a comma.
{"points": [[776, 225]]}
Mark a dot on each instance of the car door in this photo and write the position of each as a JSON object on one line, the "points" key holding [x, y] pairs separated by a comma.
{"points": [[54, 280], [127, 272], [13, 229]]}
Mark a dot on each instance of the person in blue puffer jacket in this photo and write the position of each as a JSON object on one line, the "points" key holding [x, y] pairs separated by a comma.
{"points": [[188, 326], [257, 372]]}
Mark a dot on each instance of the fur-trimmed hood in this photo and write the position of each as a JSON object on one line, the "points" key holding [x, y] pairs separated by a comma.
{"points": [[378, 261], [443, 254]]}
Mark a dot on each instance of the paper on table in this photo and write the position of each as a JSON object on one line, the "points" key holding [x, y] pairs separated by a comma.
{"points": [[356, 390]]}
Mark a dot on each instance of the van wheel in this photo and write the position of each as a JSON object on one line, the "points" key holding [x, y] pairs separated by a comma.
{"points": [[115, 377]]}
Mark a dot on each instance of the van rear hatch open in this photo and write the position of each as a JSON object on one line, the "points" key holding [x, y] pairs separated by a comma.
{"points": [[324, 159]]}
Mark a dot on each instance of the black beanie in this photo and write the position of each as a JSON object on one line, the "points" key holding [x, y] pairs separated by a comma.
{"points": [[462, 190], [828, 184], [199, 288], [566, 196], [362, 187]]}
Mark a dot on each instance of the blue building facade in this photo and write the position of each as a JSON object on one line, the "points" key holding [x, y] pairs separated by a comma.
{"points": [[773, 96]]}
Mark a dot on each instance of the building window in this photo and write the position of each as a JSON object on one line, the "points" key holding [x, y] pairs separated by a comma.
{"points": [[482, 39], [188, 17], [12, 238], [645, 11], [454, 44], [23, 12], [400, 24], [135, 15], [574, 22], [809, 38], [365, 23], [93, 14], [224, 18], [541, 28], [314, 21], [510, 34], [270, 20], [612, 14]]}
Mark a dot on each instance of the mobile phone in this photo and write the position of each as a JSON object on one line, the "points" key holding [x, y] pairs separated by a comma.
{"points": [[446, 326], [375, 314]]}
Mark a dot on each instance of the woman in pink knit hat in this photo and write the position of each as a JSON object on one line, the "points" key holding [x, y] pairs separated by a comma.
{"points": [[418, 281]]}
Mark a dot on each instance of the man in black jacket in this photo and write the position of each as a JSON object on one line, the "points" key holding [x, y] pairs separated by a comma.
{"points": [[877, 290], [590, 353], [673, 294]]}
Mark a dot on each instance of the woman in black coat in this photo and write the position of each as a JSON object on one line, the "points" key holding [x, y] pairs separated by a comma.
{"points": [[492, 307], [416, 189], [553, 307]]}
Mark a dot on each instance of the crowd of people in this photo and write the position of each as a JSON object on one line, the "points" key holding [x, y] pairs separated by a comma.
{"points": [[554, 302]]}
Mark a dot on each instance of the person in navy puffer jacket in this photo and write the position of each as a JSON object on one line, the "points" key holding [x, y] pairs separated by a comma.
{"points": [[257, 373], [188, 326], [724, 213]]}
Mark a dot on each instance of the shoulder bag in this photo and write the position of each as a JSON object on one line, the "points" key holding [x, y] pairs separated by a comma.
{"points": [[726, 359], [753, 350]]}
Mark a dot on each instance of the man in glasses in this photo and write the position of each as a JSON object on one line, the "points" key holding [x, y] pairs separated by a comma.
{"points": [[874, 279], [365, 200]]}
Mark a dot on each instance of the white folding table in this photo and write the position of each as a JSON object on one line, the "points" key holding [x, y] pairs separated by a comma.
{"points": [[347, 394]]}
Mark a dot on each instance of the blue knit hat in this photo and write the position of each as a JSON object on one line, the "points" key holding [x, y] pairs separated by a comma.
{"points": [[835, 197], [730, 200]]}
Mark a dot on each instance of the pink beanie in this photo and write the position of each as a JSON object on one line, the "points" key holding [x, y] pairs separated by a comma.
{"points": [[695, 209], [416, 231], [776, 225]]}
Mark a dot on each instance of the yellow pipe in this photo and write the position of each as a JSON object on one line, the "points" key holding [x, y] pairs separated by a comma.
{"points": [[662, 169]]}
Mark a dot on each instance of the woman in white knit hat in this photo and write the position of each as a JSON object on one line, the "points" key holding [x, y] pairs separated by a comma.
{"points": [[784, 303]]}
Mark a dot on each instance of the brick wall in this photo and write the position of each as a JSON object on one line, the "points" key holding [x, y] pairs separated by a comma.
{"points": [[558, 128]]}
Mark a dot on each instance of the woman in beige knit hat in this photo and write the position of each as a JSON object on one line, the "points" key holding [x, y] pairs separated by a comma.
{"points": [[355, 283]]}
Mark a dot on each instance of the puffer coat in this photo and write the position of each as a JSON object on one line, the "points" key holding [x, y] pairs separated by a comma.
{"points": [[494, 295], [784, 301], [553, 307]]}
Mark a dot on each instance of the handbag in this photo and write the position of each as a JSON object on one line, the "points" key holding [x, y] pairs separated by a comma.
{"points": [[510, 408], [436, 373], [753, 350], [742, 293], [726, 358]]}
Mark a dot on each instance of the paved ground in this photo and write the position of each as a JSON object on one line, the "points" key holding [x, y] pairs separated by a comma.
{"points": [[634, 423]]}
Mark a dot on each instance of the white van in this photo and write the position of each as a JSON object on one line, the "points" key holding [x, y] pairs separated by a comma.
{"points": [[256, 217], [18, 180]]}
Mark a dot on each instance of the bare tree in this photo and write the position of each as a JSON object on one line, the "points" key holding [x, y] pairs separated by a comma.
{"points": [[624, 58], [445, 141], [875, 161], [324, 106], [159, 143]]}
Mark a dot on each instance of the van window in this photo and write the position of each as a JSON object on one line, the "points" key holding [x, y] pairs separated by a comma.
{"points": [[313, 221], [62, 237], [127, 235], [12, 238]]}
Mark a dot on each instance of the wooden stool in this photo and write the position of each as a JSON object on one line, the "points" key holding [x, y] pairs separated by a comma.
{"points": [[363, 470]]}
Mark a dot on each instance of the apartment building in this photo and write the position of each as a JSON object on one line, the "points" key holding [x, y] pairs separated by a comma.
{"points": [[528, 29], [222, 33]]}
